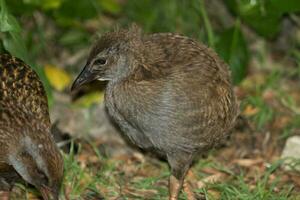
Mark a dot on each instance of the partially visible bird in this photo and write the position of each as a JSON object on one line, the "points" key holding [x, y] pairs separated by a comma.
{"points": [[27, 148], [168, 93]]}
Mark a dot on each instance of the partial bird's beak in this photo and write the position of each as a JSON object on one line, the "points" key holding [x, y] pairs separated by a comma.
{"points": [[85, 76], [48, 194]]}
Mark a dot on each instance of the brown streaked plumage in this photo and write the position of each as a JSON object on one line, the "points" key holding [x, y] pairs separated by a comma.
{"points": [[168, 93], [27, 149]]}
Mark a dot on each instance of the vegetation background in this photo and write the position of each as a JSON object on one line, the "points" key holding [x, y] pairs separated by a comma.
{"points": [[259, 39]]}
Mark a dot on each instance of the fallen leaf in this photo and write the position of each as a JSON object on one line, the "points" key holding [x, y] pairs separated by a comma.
{"points": [[268, 95], [281, 122], [296, 179], [90, 99], [59, 79], [250, 110], [209, 170], [248, 162], [211, 179]]}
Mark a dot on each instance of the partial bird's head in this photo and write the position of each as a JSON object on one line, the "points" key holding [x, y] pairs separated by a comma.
{"points": [[114, 56], [40, 164]]}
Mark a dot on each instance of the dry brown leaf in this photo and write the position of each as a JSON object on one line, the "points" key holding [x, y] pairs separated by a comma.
{"points": [[281, 122], [209, 170], [211, 179], [268, 95], [248, 162], [296, 179], [85, 159], [250, 110]]}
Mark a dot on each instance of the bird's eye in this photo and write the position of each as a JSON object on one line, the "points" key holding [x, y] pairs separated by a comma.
{"points": [[100, 61]]}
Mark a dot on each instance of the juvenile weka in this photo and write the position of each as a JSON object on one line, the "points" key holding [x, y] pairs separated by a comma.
{"points": [[27, 149], [168, 93]]}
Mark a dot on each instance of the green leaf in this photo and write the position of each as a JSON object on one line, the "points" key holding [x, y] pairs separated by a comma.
{"points": [[44, 4], [263, 15], [232, 47], [20, 8], [70, 12], [110, 6], [287, 6], [207, 24], [12, 41], [7, 22], [14, 45]]}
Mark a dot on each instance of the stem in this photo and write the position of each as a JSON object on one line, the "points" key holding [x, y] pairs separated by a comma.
{"points": [[207, 24]]}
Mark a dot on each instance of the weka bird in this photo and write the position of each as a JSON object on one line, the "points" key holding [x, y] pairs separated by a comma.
{"points": [[27, 148], [168, 93]]}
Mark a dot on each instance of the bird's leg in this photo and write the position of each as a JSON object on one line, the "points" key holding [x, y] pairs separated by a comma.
{"points": [[179, 163], [187, 187], [4, 195], [174, 187], [188, 190]]}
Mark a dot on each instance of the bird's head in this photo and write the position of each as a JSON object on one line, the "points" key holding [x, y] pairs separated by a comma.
{"points": [[114, 56], [39, 164]]}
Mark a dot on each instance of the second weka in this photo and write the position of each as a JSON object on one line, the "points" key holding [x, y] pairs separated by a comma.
{"points": [[27, 148], [168, 93]]}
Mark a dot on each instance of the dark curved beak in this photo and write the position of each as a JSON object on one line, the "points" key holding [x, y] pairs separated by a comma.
{"points": [[85, 76], [48, 194]]}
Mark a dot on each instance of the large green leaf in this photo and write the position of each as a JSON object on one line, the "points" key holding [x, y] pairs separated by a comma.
{"points": [[263, 15], [11, 38], [13, 44], [232, 47], [7, 22]]}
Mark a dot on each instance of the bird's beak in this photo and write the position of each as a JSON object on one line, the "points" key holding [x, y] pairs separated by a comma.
{"points": [[48, 194], [85, 76]]}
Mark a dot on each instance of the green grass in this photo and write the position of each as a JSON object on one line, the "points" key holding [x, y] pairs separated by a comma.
{"points": [[112, 180]]}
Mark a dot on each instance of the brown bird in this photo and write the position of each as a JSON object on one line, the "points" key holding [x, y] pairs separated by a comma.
{"points": [[168, 93], [27, 149]]}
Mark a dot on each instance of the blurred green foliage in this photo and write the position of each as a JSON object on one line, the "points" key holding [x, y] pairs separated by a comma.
{"points": [[187, 17], [263, 15], [11, 38], [232, 47]]}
